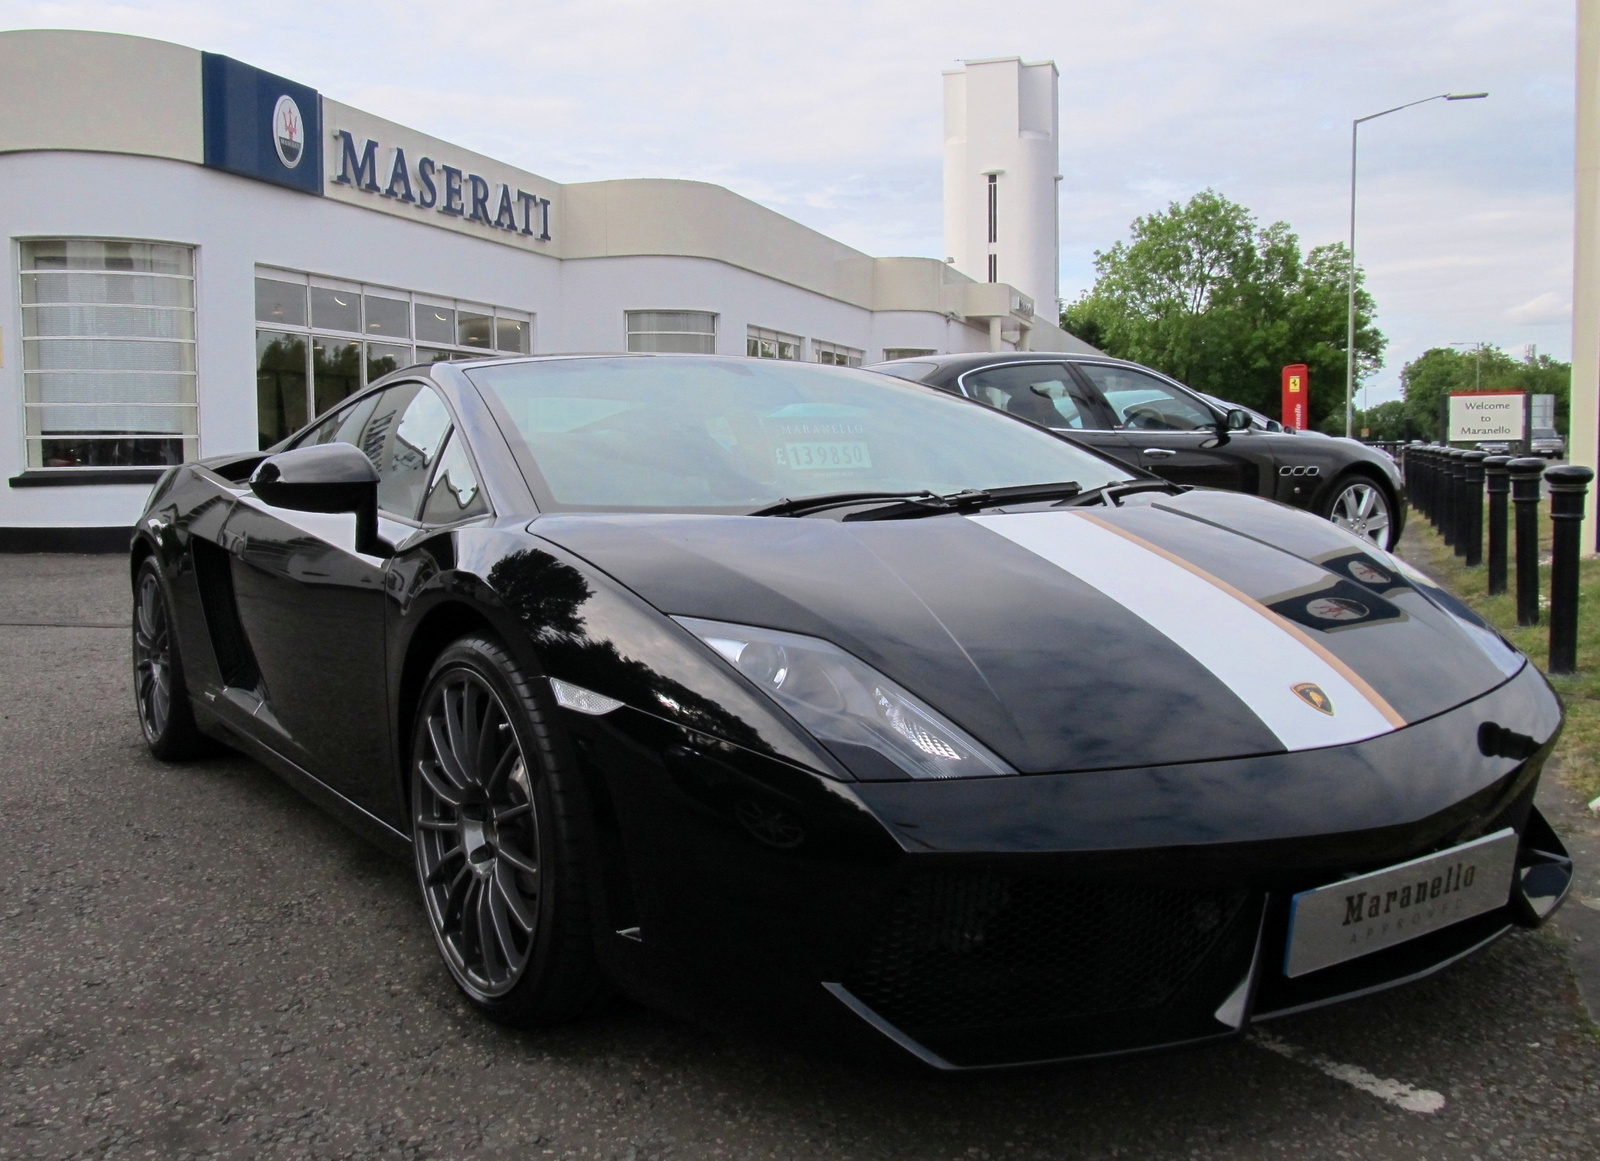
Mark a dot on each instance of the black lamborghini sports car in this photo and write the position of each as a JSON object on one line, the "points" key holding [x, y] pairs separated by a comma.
{"points": [[754, 686]]}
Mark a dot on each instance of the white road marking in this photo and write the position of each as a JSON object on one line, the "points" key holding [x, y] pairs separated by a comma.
{"points": [[1395, 1092], [1246, 646]]}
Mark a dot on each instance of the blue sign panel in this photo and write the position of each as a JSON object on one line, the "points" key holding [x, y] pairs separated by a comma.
{"points": [[260, 125]]}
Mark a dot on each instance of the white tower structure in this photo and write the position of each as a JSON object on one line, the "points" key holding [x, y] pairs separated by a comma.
{"points": [[1001, 152]]}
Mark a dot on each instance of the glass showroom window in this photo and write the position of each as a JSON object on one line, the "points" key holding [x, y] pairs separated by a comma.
{"points": [[760, 343], [906, 352], [319, 341], [835, 354], [684, 332], [107, 353]]}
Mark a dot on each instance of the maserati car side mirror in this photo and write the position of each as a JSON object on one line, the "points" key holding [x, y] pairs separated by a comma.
{"points": [[1238, 419], [329, 477]]}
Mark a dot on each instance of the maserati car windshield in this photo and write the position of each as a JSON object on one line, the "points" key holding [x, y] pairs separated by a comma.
{"points": [[671, 434]]}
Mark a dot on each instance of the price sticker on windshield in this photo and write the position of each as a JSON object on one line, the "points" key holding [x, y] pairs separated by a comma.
{"points": [[823, 455]]}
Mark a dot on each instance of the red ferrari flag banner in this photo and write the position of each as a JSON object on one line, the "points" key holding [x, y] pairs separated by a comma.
{"points": [[1296, 391]]}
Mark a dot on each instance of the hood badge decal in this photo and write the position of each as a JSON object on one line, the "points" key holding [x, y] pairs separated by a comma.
{"points": [[1311, 693]]}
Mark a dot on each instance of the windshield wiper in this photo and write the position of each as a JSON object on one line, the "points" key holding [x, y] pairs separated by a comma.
{"points": [[804, 504], [970, 500], [1112, 492]]}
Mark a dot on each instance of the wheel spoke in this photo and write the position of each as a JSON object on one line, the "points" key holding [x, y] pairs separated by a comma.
{"points": [[505, 882], [457, 713], [483, 740], [455, 896], [442, 872], [505, 938], [512, 854], [445, 824], [488, 943], [501, 817], [501, 769], [1368, 498], [445, 751], [440, 788]]}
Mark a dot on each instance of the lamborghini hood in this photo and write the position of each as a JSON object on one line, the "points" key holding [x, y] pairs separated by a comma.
{"points": [[1189, 628]]}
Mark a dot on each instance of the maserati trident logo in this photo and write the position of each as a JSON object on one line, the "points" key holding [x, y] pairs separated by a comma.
{"points": [[1311, 693], [1336, 609], [288, 131]]}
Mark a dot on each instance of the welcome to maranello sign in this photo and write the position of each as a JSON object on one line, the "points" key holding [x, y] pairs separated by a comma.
{"points": [[1487, 416]]}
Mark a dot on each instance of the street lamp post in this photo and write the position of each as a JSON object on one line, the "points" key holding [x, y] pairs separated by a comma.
{"points": [[1350, 330]]}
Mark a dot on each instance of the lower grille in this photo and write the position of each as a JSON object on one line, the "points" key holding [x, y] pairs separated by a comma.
{"points": [[964, 953]]}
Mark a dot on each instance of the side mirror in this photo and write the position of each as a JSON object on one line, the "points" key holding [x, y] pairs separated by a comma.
{"points": [[1238, 420], [330, 477]]}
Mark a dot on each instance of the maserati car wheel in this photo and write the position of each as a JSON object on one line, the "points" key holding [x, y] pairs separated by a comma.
{"points": [[496, 860], [1361, 507]]}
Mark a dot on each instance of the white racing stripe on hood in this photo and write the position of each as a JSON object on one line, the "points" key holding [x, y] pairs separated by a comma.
{"points": [[1257, 654]]}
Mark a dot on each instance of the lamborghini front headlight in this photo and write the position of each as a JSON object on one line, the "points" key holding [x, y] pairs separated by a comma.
{"points": [[877, 729]]}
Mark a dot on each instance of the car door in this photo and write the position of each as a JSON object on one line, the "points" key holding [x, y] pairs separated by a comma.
{"points": [[1173, 432], [1049, 394], [311, 607]]}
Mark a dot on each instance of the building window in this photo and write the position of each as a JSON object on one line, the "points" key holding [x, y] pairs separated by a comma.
{"points": [[760, 343], [683, 332], [318, 341], [108, 361], [906, 352], [835, 354]]}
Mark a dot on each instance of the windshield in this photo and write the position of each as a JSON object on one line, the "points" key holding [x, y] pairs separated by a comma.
{"points": [[673, 433], [1545, 433]]}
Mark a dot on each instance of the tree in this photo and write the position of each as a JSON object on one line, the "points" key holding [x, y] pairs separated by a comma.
{"points": [[1391, 420], [1205, 294], [1436, 374]]}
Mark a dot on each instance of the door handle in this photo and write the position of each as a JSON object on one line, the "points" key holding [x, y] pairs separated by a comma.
{"points": [[1159, 453]]}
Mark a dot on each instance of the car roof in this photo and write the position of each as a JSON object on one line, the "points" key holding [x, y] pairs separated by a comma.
{"points": [[966, 360]]}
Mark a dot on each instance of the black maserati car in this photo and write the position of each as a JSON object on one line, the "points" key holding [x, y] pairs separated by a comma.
{"points": [[741, 685], [1148, 420]]}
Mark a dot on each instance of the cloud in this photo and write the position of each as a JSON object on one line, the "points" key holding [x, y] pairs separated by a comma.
{"points": [[830, 112], [1552, 308]]}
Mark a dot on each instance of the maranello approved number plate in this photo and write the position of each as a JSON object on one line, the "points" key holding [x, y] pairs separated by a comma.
{"points": [[1371, 912], [830, 454]]}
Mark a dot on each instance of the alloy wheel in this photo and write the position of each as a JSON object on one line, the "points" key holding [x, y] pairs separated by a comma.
{"points": [[152, 656], [1363, 509], [477, 834]]}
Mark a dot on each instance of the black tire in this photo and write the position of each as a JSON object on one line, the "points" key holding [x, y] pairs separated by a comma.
{"points": [[497, 840], [1360, 504], [159, 691]]}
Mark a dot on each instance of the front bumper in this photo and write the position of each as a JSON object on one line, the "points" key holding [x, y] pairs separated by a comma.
{"points": [[1007, 921], [959, 987]]}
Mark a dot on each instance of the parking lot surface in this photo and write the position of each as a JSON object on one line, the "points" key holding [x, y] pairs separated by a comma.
{"points": [[194, 962]]}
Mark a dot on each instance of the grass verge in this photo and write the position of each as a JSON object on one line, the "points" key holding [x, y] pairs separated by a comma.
{"points": [[1579, 748]]}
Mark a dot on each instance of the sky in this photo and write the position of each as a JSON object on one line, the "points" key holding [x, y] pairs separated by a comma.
{"points": [[830, 112]]}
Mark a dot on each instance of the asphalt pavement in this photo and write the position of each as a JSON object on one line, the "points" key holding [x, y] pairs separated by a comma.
{"points": [[194, 962]]}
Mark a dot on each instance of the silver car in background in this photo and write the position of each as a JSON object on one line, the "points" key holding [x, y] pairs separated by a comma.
{"points": [[1547, 442]]}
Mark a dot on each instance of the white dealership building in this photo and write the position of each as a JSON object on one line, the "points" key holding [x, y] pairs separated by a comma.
{"points": [[203, 255]]}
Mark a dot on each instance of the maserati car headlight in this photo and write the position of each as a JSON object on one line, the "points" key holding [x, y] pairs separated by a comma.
{"points": [[872, 725]]}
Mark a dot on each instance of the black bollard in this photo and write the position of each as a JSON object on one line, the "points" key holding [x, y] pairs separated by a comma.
{"points": [[1472, 507], [1525, 473], [1569, 483], [1498, 483], [1436, 479], [1441, 511], [1458, 501]]}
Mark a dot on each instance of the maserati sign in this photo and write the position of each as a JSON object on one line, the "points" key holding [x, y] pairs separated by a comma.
{"points": [[288, 131], [434, 185]]}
